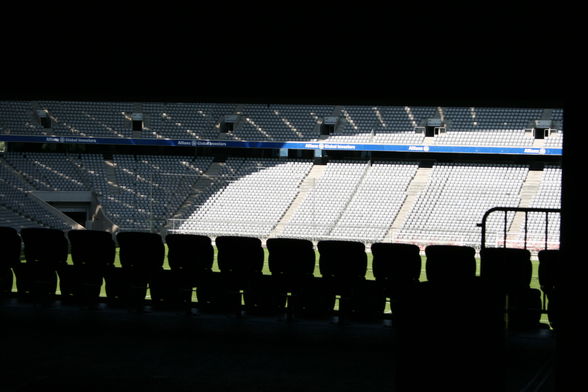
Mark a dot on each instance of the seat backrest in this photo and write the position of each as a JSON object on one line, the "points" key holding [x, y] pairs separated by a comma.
{"points": [[506, 268], [141, 250], [450, 264], [239, 255], [46, 246], [92, 248], [549, 267], [11, 247], [190, 253], [291, 257], [396, 262], [342, 259]]}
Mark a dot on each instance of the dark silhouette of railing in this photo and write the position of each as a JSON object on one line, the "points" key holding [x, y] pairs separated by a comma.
{"points": [[541, 254], [526, 211]]}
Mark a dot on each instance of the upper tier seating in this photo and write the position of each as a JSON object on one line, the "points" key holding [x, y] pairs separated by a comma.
{"points": [[499, 127]]}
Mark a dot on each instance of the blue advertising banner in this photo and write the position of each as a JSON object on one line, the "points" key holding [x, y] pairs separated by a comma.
{"points": [[284, 145]]}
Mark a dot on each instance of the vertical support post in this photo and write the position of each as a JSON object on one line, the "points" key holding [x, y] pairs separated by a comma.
{"points": [[239, 304], [546, 228], [289, 306], [483, 226], [526, 226], [505, 230]]}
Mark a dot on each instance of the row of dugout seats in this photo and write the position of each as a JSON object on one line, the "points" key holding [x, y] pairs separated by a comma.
{"points": [[291, 289]]}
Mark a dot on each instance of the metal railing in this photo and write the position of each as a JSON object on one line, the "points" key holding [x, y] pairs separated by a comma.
{"points": [[525, 241], [526, 211]]}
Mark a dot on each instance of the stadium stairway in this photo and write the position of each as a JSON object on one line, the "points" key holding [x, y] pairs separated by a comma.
{"points": [[313, 176], [351, 197], [527, 193], [415, 188], [54, 211], [538, 143], [203, 183]]}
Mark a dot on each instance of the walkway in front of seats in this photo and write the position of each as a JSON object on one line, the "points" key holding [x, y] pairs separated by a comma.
{"points": [[69, 349]]}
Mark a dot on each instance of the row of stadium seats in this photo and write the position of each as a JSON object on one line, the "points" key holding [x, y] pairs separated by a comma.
{"points": [[362, 124], [142, 188], [14, 197], [376, 202], [322, 207], [248, 197], [13, 219], [501, 138], [291, 289], [458, 195], [461, 118], [47, 172], [149, 189]]}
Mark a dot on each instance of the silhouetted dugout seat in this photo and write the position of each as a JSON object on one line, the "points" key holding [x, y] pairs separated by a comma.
{"points": [[190, 259], [240, 261], [93, 254], [343, 265], [367, 302], [509, 272], [506, 268], [548, 272], [240, 257], [397, 267], [46, 253], [141, 258], [452, 288], [452, 312], [291, 262], [549, 276], [450, 264], [343, 261], [290, 258], [9, 257], [116, 286], [447, 334]]}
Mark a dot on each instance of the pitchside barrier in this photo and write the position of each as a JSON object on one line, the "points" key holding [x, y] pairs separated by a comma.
{"points": [[509, 261], [317, 232], [494, 237], [529, 240]]}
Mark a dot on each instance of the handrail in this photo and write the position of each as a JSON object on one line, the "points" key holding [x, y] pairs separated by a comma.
{"points": [[526, 210]]}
